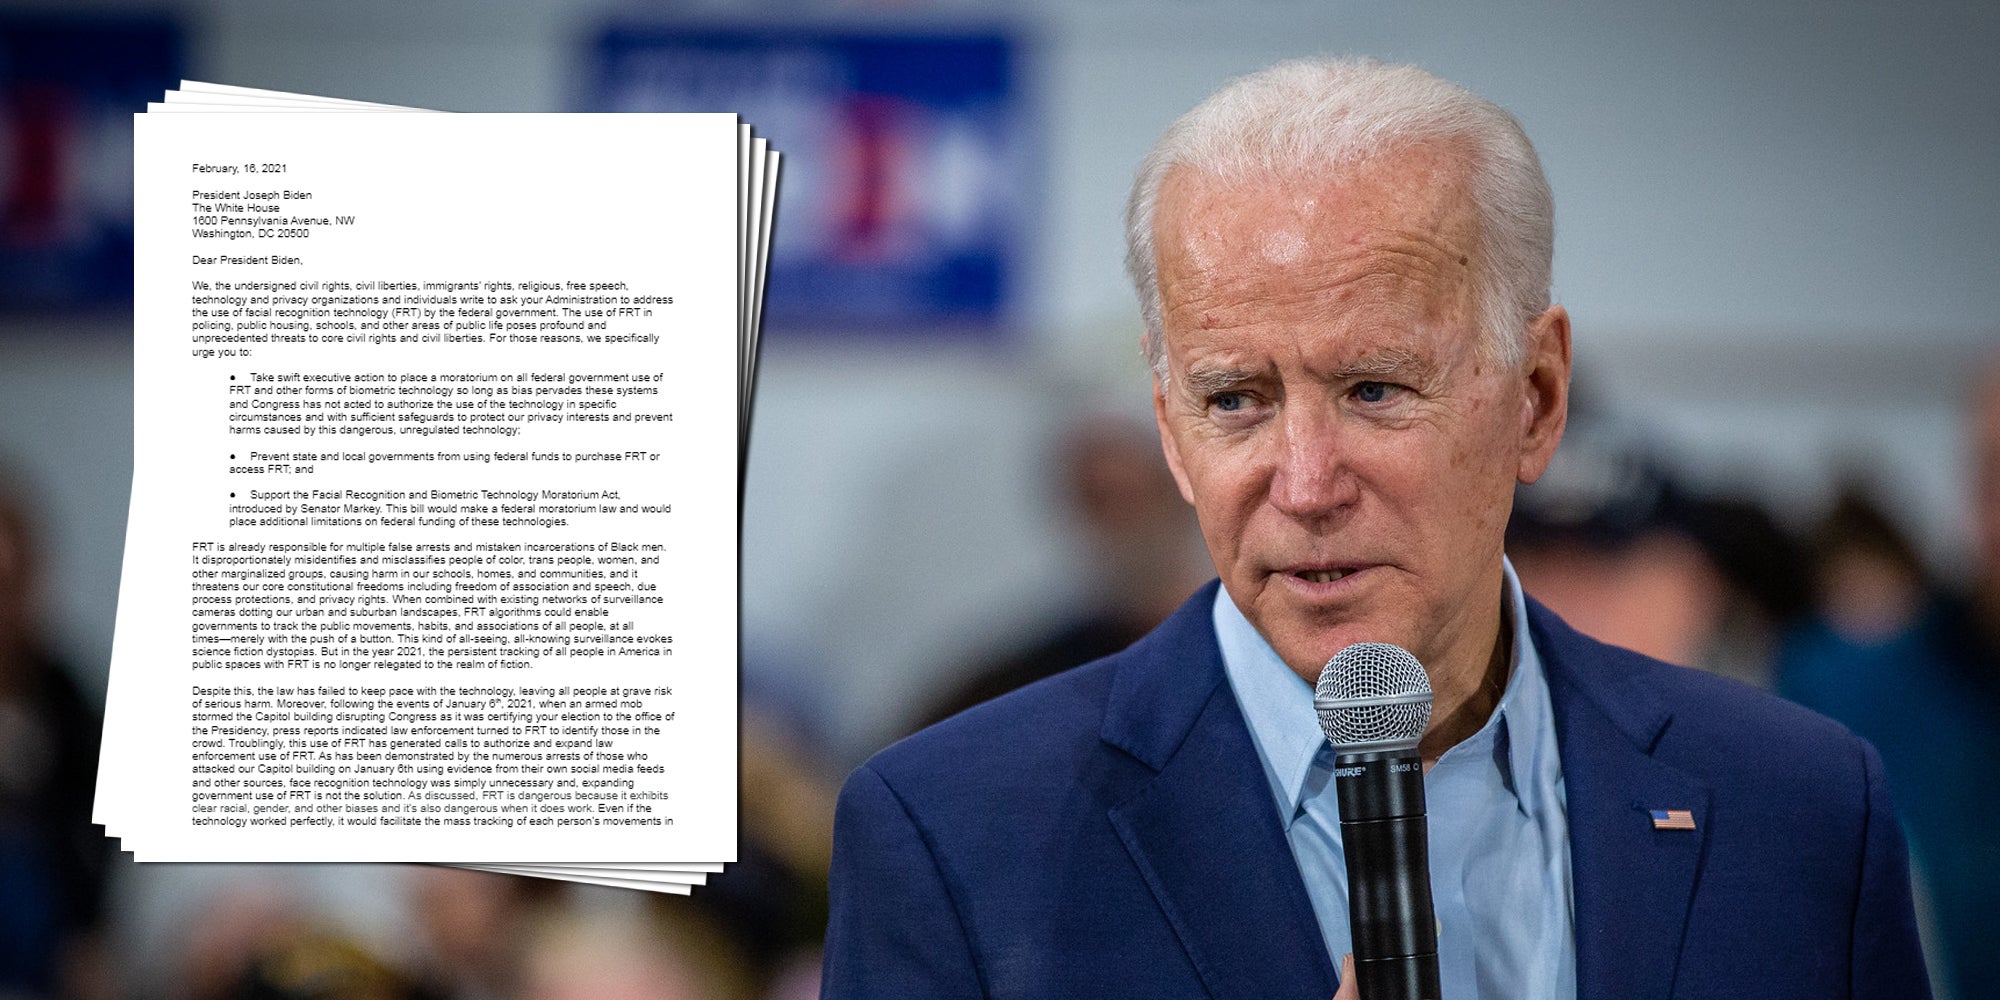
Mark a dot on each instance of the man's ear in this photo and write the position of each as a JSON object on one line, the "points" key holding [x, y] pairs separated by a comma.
{"points": [[1167, 443], [1545, 392]]}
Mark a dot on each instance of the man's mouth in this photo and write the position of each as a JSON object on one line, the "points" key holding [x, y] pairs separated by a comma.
{"points": [[1321, 575]]}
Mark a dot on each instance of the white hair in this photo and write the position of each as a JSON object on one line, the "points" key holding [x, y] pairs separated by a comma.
{"points": [[1306, 115]]}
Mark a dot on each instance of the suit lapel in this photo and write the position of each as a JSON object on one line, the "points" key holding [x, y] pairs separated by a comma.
{"points": [[1203, 830], [1634, 884], [1205, 836]]}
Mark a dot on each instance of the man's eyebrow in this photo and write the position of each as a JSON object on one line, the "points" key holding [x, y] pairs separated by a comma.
{"points": [[1206, 380], [1400, 364]]}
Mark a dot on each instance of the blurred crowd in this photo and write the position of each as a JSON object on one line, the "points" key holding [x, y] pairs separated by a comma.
{"points": [[1842, 615]]}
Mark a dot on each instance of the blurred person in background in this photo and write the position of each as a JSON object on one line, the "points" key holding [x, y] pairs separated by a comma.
{"points": [[268, 933], [52, 860], [257, 939], [1916, 671], [1603, 540], [469, 927], [653, 951], [1619, 547], [1986, 518], [1141, 556], [771, 904], [1765, 567]]}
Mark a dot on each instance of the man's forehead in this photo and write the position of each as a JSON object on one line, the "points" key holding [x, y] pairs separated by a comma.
{"points": [[1388, 242], [1418, 187]]}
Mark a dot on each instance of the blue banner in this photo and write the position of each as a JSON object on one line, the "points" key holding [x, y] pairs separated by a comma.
{"points": [[906, 159], [68, 89]]}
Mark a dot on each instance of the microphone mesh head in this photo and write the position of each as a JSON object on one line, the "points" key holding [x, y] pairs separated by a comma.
{"points": [[1373, 694]]}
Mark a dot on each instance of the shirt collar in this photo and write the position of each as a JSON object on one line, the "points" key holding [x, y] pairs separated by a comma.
{"points": [[1278, 707]]}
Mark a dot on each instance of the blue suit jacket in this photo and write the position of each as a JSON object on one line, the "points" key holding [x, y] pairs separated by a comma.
{"points": [[1109, 833]]}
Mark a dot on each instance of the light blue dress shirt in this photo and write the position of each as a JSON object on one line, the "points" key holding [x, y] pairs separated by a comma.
{"points": [[1499, 824]]}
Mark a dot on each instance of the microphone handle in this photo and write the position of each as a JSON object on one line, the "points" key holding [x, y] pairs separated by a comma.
{"points": [[1387, 842]]}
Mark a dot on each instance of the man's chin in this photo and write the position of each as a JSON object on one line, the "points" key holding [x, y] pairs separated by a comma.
{"points": [[1307, 651], [1306, 627]]}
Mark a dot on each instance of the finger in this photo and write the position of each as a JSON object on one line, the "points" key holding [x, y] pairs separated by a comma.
{"points": [[1349, 990]]}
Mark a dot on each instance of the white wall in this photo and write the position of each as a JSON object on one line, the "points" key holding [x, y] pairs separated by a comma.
{"points": [[1776, 231]]}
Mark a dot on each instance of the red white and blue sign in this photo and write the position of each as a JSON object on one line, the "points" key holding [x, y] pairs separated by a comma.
{"points": [[69, 86], [906, 164]]}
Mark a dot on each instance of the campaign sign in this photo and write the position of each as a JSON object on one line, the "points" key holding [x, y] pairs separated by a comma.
{"points": [[69, 86], [904, 182]]}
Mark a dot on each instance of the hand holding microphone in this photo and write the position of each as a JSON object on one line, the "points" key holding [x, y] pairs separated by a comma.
{"points": [[1349, 989]]}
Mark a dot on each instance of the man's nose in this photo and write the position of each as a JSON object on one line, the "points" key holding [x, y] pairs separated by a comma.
{"points": [[1312, 478]]}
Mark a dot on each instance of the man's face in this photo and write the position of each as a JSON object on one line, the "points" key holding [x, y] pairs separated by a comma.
{"points": [[1350, 451]]}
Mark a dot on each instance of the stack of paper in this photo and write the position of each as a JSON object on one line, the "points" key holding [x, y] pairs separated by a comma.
{"points": [[440, 424]]}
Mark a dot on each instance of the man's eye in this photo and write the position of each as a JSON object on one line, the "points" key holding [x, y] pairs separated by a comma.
{"points": [[1227, 402], [1374, 392]]}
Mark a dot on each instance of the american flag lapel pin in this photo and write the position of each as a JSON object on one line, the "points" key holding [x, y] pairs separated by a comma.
{"points": [[1672, 819]]}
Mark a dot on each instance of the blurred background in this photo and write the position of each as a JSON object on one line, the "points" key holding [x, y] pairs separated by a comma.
{"points": [[1777, 235]]}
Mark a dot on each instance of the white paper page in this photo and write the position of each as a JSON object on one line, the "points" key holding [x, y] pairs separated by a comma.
{"points": [[752, 211], [767, 210], [199, 98], [109, 797], [760, 174], [747, 334], [759, 166], [253, 93], [746, 237], [584, 873], [116, 750], [584, 203], [591, 873], [317, 105], [638, 866], [611, 881], [258, 107]]}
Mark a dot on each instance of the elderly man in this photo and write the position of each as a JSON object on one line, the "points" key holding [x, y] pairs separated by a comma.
{"points": [[1345, 269]]}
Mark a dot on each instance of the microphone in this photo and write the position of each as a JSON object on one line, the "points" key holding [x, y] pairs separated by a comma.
{"points": [[1374, 701]]}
